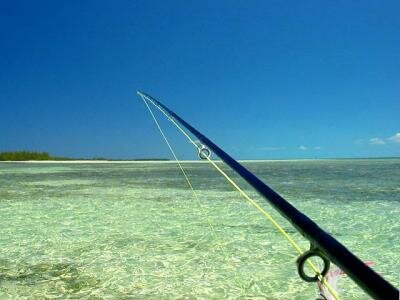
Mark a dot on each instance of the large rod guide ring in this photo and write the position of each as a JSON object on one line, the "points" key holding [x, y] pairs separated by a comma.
{"points": [[204, 153], [303, 258]]}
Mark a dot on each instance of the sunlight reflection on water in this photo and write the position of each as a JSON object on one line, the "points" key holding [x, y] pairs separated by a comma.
{"points": [[135, 231]]}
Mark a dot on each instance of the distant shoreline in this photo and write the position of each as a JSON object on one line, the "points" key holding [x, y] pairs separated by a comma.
{"points": [[92, 161], [83, 161], [45, 157]]}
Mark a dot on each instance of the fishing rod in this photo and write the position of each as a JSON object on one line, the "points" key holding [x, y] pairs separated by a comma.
{"points": [[322, 244]]}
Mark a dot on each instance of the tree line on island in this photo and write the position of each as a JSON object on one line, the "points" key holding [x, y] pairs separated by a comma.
{"points": [[35, 155]]}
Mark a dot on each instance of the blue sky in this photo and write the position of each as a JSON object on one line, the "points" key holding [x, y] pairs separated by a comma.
{"points": [[263, 79]]}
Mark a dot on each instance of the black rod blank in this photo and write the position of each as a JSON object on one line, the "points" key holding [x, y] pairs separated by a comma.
{"points": [[372, 283]]}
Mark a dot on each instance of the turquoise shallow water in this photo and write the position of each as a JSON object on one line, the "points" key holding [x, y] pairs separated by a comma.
{"points": [[134, 230]]}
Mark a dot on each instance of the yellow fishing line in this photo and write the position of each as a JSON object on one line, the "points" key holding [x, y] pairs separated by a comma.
{"points": [[251, 201], [179, 164], [187, 180]]}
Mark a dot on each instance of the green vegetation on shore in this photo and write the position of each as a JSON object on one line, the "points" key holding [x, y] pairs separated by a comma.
{"points": [[24, 155], [34, 155]]}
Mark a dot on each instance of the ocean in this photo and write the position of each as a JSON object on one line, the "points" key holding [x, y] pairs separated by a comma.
{"points": [[135, 230]]}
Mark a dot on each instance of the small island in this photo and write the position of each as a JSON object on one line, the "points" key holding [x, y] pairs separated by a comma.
{"points": [[24, 155], [45, 156]]}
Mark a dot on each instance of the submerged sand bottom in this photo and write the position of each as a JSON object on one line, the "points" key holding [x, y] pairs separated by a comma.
{"points": [[135, 231]]}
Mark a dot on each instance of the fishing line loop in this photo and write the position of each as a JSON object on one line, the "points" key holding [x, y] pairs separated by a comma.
{"points": [[301, 260]]}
